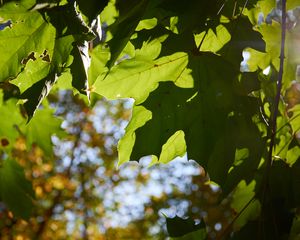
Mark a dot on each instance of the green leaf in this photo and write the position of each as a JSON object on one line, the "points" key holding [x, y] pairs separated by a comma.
{"points": [[15, 191], [36, 93], [146, 24], [174, 147], [172, 110], [218, 130], [140, 116], [33, 73], [91, 8], [79, 67], [41, 87], [243, 201], [15, 10], [257, 60], [292, 155], [130, 15], [99, 57], [213, 42], [29, 34], [136, 78], [165, 104]]}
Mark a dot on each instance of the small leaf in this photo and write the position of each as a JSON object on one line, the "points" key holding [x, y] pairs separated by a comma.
{"points": [[213, 42], [292, 95], [242, 196]]}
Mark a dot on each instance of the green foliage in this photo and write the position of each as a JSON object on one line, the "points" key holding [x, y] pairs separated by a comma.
{"points": [[181, 63], [15, 190], [36, 132]]}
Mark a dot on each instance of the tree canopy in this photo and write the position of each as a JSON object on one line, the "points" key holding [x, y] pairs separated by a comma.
{"points": [[217, 81]]}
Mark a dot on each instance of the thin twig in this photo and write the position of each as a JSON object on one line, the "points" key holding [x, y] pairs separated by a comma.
{"points": [[278, 94]]}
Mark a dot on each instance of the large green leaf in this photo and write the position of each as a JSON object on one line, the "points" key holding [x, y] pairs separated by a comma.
{"points": [[218, 130], [30, 33], [137, 77], [15, 191], [42, 42]]}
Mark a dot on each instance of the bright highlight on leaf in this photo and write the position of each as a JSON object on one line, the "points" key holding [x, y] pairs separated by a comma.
{"points": [[136, 78], [213, 41]]}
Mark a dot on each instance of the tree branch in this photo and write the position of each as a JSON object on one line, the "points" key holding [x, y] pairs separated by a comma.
{"points": [[273, 121]]}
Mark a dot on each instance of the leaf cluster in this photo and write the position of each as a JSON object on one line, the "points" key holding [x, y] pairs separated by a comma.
{"points": [[193, 92]]}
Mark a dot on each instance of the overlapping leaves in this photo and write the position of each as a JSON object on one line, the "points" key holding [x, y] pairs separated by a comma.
{"points": [[183, 71], [40, 44]]}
